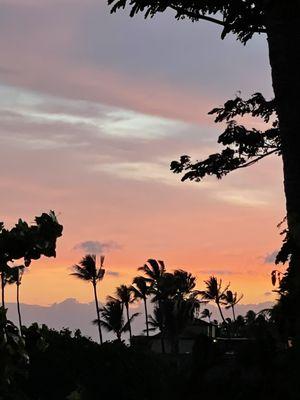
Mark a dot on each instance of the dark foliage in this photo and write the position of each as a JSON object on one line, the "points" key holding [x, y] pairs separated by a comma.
{"points": [[75, 364], [64, 365], [242, 17], [243, 146], [30, 242]]}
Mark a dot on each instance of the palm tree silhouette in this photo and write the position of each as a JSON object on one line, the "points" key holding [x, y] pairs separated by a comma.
{"points": [[113, 318], [87, 270], [154, 270], [15, 277], [141, 289], [155, 320], [232, 300], [206, 314], [185, 283], [161, 283], [180, 315], [177, 314], [125, 295], [215, 292]]}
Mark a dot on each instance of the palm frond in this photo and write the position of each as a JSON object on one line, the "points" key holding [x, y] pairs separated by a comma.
{"points": [[106, 326], [126, 327], [80, 276]]}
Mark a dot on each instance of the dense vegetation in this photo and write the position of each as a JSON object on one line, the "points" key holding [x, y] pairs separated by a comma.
{"points": [[68, 366]]}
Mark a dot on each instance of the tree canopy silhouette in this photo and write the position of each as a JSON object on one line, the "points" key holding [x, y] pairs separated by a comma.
{"points": [[27, 242], [243, 146]]}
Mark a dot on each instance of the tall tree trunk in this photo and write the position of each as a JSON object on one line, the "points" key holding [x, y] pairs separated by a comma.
{"points": [[98, 312], [18, 307], [128, 320], [146, 315], [287, 309], [283, 21]]}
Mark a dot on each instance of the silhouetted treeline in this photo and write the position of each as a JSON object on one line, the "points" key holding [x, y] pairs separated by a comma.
{"points": [[64, 365]]}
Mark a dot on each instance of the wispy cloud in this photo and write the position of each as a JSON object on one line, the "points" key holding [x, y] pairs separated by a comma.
{"points": [[113, 273], [217, 272], [97, 247]]}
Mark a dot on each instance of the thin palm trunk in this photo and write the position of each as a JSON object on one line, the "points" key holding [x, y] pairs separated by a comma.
{"points": [[3, 289], [162, 328], [18, 307], [220, 310], [146, 315], [128, 320], [98, 312], [233, 312]]}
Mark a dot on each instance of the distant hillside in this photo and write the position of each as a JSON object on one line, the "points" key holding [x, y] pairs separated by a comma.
{"points": [[72, 314]]}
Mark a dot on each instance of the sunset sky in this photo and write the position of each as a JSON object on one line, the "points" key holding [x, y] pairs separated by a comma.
{"points": [[93, 108]]}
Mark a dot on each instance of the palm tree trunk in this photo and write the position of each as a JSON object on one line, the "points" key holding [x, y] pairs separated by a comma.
{"points": [[146, 315], [233, 312], [162, 328], [128, 320], [220, 311], [98, 312], [3, 289], [18, 307]]}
